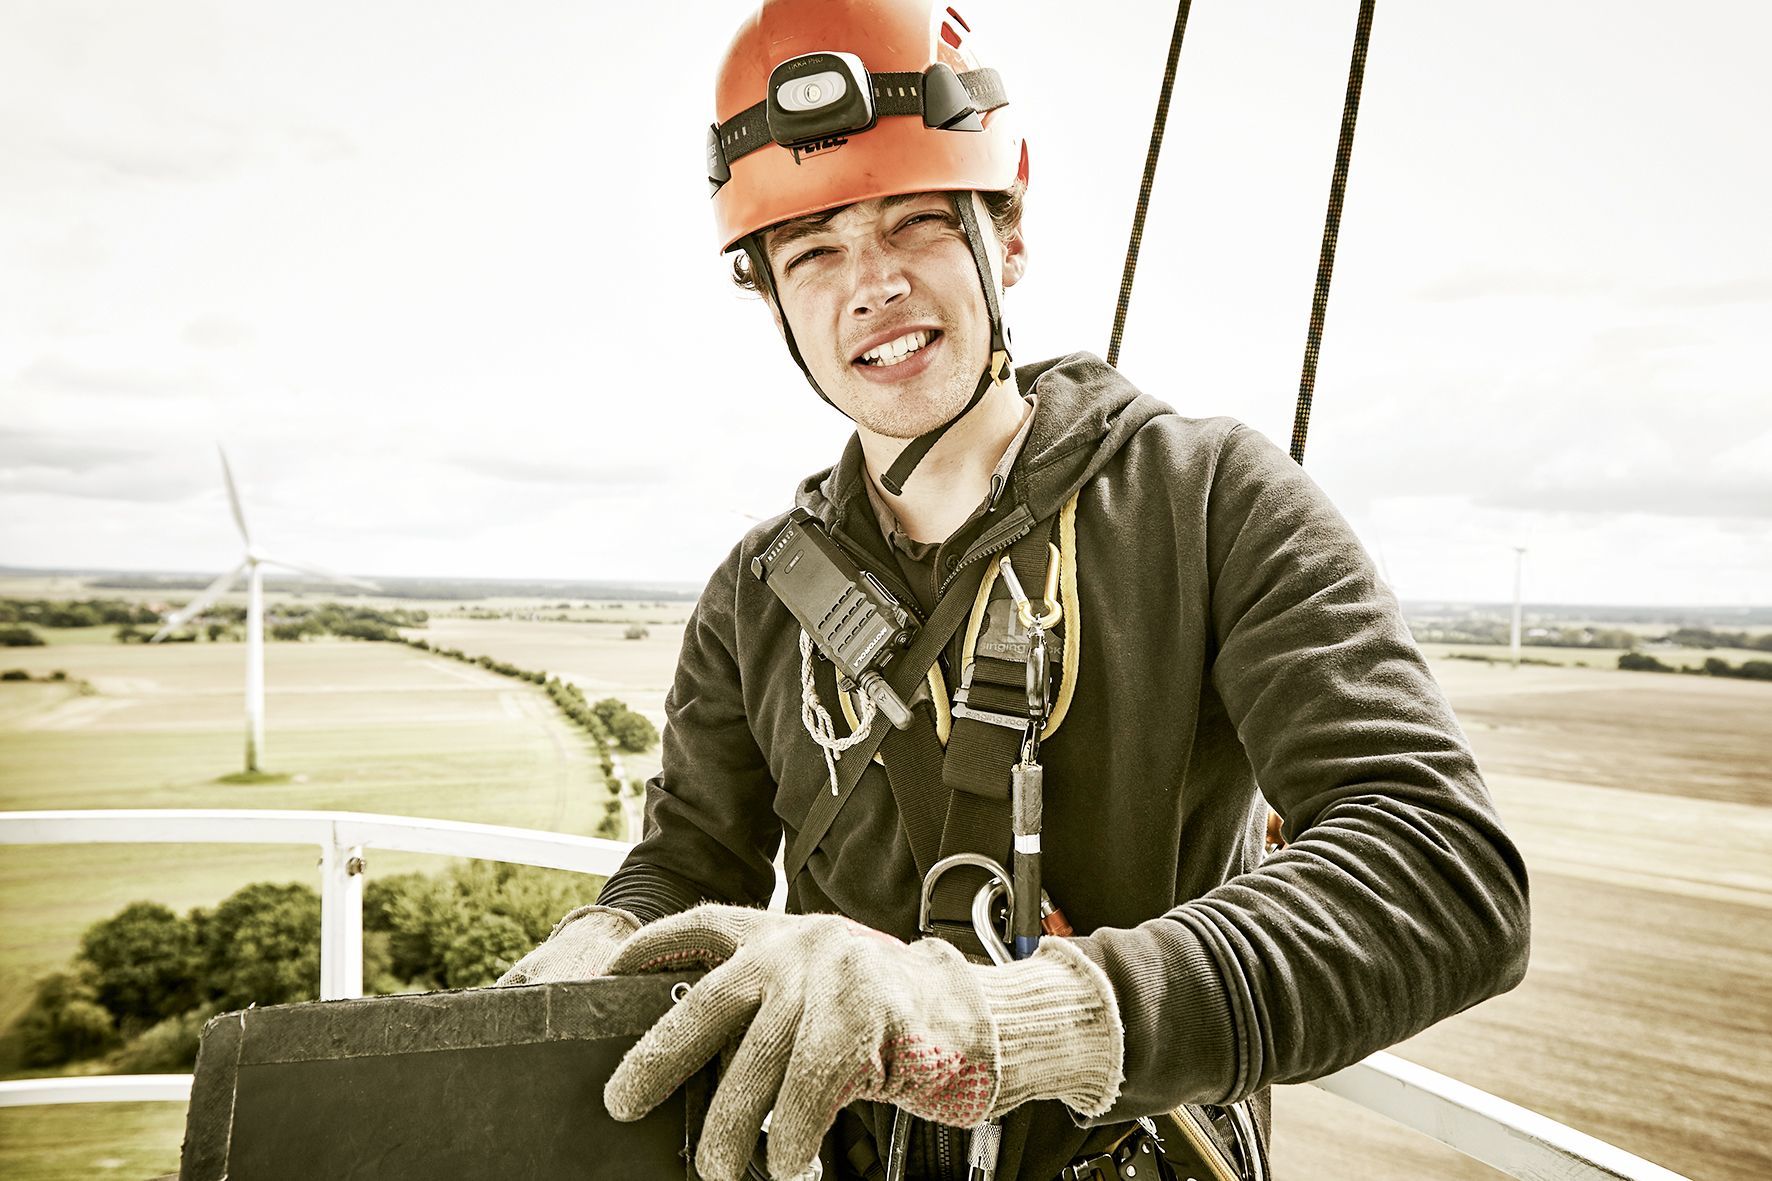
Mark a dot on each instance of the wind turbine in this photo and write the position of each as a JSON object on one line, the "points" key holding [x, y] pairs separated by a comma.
{"points": [[255, 614]]}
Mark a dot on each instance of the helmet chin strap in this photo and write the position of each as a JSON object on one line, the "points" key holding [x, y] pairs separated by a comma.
{"points": [[996, 367]]}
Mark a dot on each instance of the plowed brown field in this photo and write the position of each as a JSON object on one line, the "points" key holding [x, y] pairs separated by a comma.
{"points": [[1643, 804]]}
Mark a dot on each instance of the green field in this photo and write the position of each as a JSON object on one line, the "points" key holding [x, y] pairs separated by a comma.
{"points": [[353, 726]]}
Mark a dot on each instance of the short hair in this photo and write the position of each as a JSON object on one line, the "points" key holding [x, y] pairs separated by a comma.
{"points": [[1003, 208]]}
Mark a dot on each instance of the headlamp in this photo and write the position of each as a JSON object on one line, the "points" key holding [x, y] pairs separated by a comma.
{"points": [[819, 96]]}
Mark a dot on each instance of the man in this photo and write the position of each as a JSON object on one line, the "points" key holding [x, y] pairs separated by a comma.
{"points": [[1210, 637]]}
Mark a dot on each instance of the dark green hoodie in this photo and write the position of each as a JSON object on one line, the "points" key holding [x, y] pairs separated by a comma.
{"points": [[1236, 644]]}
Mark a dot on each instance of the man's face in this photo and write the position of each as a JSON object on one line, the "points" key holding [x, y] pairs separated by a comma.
{"points": [[886, 307]]}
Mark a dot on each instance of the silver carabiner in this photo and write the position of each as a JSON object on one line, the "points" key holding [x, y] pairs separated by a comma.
{"points": [[999, 888]]}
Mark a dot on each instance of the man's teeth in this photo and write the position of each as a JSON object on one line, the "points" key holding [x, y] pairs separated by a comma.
{"points": [[894, 351]]}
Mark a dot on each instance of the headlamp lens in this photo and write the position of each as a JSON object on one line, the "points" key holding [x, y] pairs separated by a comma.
{"points": [[811, 93]]}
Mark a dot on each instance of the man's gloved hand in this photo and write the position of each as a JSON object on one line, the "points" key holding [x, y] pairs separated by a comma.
{"points": [[579, 947], [830, 1012]]}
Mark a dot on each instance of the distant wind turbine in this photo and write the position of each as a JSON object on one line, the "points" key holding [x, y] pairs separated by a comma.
{"points": [[255, 615]]}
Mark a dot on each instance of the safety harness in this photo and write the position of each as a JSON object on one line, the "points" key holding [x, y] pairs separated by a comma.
{"points": [[1009, 622]]}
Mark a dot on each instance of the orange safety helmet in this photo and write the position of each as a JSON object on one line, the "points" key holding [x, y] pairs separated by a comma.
{"points": [[823, 103], [921, 133]]}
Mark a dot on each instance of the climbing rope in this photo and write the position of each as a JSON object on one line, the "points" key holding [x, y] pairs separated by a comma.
{"points": [[817, 719], [1144, 185], [1350, 112], [1344, 150]]}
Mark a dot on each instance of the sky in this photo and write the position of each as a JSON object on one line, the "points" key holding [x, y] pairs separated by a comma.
{"points": [[442, 278]]}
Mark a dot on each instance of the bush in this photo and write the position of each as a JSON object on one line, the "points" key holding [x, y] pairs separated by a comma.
{"points": [[629, 730], [611, 825], [633, 733], [145, 964], [170, 1046], [1643, 662], [64, 1023], [15, 674], [482, 950], [635, 631], [262, 945], [462, 929], [20, 637]]}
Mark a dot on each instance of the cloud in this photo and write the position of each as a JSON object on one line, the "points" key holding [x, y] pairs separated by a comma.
{"points": [[35, 462], [590, 472], [1723, 293], [1478, 284], [74, 455], [216, 332], [54, 375], [188, 151], [1708, 494]]}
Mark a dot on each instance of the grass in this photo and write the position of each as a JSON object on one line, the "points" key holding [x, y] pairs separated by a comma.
{"points": [[87, 1140]]}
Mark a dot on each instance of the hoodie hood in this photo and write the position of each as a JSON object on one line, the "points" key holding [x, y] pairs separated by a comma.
{"points": [[1086, 413]]}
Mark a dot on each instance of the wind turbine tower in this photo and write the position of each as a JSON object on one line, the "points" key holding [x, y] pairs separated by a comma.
{"points": [[1519, 564], [252, 567]]}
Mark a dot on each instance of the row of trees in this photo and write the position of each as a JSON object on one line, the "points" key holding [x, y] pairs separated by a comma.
{"points": [[82, 613], [290, 622], [146, 979], [1747, 670], [1704, 637], [607, 721]]}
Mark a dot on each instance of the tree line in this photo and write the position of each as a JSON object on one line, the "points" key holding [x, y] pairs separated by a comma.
{"points": [[1747, 670], [145, 980]]}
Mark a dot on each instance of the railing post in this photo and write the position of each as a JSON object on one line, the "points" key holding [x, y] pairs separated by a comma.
{"points": [[341, 919]]}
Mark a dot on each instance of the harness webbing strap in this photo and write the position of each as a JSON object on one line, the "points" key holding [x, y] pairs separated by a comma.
{"points": [[975, 824], [913, 767], [976, 770], [907, 670], [980, 752]]}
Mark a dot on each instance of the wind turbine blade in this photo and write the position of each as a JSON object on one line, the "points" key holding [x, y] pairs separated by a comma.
{"points": [[324, 574], [234, 498], [201, 603]]}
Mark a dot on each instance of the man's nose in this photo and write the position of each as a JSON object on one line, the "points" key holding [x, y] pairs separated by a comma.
{"points": [[878, 280]]}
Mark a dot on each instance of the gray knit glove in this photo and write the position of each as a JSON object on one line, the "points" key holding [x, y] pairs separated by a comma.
{"points": [[825, 1011], [579, 947]]}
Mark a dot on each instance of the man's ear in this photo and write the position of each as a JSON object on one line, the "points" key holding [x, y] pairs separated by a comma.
{"points": [[1015, 259]]}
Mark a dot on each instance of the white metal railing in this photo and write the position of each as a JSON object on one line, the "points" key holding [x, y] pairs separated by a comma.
{"points": [[1503, 1135]]}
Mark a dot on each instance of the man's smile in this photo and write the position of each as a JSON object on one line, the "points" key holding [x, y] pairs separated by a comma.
{"points": [[903, 354]]}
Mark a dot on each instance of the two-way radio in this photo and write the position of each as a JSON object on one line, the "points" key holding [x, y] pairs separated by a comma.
{"points": [[852, 618]]}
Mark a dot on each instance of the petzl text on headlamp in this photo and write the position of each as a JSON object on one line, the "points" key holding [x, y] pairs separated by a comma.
{"points": [[816, 101]]}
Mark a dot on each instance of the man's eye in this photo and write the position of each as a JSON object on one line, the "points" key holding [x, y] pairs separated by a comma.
{"points": [[923, 218], [803, 257]]}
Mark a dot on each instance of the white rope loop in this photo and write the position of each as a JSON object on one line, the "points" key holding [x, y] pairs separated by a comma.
{"points": [[817, 719]]}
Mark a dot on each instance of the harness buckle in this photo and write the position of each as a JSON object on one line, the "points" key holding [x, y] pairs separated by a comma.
{"points": [[963, 709]]}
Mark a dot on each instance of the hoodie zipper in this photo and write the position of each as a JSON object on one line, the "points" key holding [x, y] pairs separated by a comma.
{"points": [[996, 539]]}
